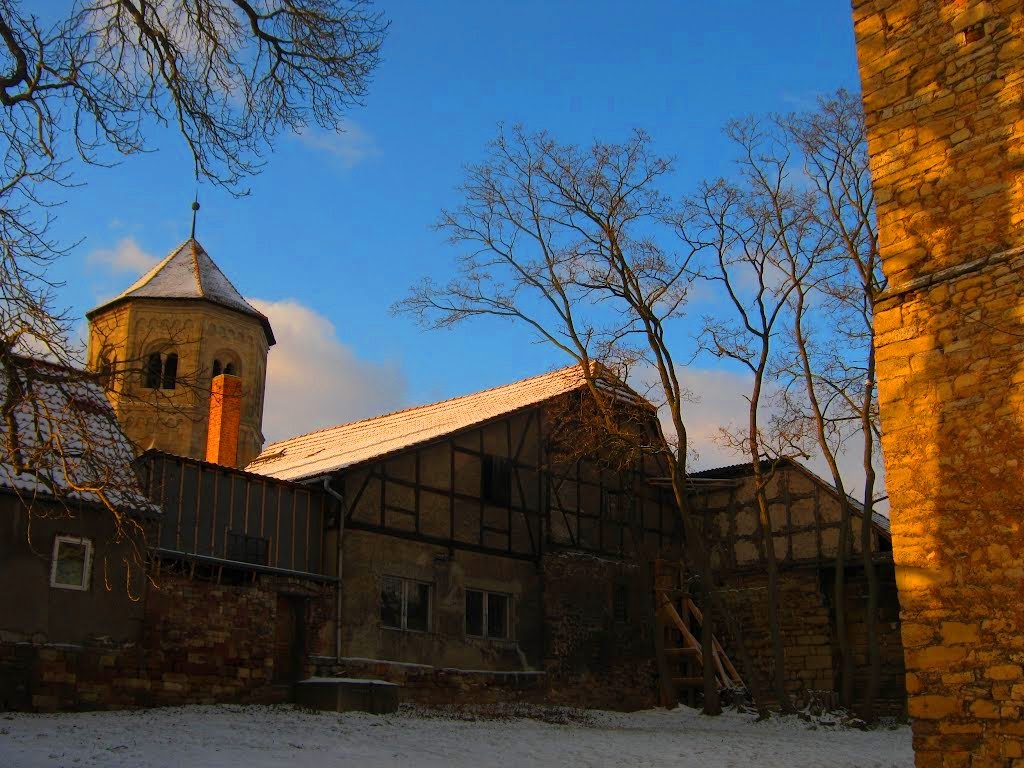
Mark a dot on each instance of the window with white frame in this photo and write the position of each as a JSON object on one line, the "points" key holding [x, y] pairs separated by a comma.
{"points": [[487, 614], [72, 563], [405, 604]]}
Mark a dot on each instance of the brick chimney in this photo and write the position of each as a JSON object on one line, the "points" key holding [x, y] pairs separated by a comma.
{"points": [[225, 415]]}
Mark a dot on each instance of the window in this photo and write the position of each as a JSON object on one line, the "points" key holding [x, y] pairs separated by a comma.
{"points": [[497, 481], [72, 563], [218, 369], [229, 369], [153, 367], [614, 506], [247, 549], [405, 604], [160, 372], [487, 614], [170, 371]]}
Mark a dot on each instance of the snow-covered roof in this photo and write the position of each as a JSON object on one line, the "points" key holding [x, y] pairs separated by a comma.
{"points": [[188, 272], [69, 445], [326, 451]]}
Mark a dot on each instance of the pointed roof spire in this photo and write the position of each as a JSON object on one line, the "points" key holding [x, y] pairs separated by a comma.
{"points": [[195, 210], [189, 273]]}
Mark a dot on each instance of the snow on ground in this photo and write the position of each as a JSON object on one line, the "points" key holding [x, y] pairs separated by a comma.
{"points": [[254, 737]]}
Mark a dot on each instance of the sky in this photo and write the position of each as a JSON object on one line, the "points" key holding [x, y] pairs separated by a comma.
{"points": [[339, 226]]}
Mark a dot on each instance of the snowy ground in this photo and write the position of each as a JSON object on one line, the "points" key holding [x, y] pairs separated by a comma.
{"points": [[253, 737]]}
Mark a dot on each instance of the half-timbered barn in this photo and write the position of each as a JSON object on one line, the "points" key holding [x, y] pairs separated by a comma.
{"points": [[464, 544], [806, 515]]}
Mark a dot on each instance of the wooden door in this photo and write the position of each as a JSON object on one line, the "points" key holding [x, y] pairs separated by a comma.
{"points": [[289, 643]]}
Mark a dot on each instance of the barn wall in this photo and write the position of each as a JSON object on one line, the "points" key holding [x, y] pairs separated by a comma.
{"points": [[201, 643], [38, 613], [368, 557]]}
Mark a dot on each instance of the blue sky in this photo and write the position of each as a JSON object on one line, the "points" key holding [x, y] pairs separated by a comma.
{"points": [[337, 228]]}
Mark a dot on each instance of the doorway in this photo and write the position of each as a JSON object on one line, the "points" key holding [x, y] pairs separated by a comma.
{"points": [[289, 638]]}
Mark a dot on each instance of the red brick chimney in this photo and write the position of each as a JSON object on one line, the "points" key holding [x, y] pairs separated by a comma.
{"points": [[225, 415]]}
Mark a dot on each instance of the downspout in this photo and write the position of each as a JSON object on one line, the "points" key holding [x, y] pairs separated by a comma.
{"points": [[337, 589]]}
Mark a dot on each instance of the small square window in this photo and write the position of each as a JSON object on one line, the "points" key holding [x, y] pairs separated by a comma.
{"points": [[72, 563], [243, 548], [497, 481], [487, 614], [405, 604]]}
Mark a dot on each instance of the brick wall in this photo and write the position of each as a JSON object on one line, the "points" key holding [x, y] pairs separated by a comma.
{"points": [[941, 88], [201, 643]]}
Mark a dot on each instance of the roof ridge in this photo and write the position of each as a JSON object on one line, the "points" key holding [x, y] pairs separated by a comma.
{"points": [[565, 369], [198, 272]]}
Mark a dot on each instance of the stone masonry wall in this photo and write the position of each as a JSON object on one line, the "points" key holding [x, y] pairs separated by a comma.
{"points": [[592, 656], [942, 90], [202, 643], [806, 633]]}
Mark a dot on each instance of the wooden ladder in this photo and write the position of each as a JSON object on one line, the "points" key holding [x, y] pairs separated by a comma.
{"points": [[675, 609]]}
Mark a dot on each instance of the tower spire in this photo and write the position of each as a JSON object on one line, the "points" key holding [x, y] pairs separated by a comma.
{"points": [[195, 210]]}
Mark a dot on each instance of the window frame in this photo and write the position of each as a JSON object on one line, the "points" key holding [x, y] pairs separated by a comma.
{"points": [[246, 542], [485, 602], [404, 604], [496, 480], [86, 568]]}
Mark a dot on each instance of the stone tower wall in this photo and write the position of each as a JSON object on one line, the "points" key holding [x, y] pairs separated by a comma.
{"points": [[176, 420], [943, 89]]}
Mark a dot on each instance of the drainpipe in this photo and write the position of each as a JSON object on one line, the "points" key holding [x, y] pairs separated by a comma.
{"points": [[337, 590]]}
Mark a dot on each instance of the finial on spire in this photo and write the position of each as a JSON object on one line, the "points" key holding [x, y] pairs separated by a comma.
{"points": [[195, 210]]}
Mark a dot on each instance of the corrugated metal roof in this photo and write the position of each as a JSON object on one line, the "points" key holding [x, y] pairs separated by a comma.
{"points": [[329, 450], [188, 272], [70, 439]]}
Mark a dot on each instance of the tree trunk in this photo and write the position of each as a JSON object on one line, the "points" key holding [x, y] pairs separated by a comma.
{"points": [[866, 529], [712, 703], [846, 666]]}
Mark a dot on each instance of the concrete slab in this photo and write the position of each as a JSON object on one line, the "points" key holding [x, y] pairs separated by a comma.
{"points": [[347, 694]]}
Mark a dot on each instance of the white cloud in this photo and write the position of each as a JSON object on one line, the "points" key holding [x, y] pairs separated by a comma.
{"points": [[350, 144], [316, 381], [126, 256], [720, 401]]}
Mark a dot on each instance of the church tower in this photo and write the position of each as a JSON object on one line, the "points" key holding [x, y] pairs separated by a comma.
{"points": [[185, 360]]}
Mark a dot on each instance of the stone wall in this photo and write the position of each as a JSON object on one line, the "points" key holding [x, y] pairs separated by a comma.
{"points": [[942, 95], [443, 686], [594, 654], [805, 626], [201, 643]]}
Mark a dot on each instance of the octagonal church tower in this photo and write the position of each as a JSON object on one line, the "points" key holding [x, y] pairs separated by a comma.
{"points": [[184, 358]]}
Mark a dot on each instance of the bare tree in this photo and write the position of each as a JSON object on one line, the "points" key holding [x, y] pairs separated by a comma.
{"points": [[838, 374], [762, 243], [228, 75], [571, 243]]}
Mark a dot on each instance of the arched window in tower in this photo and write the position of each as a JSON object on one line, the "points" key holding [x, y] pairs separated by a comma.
{"points": [[170, 371], [218, 369], [154, 366], [229, 369]]}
